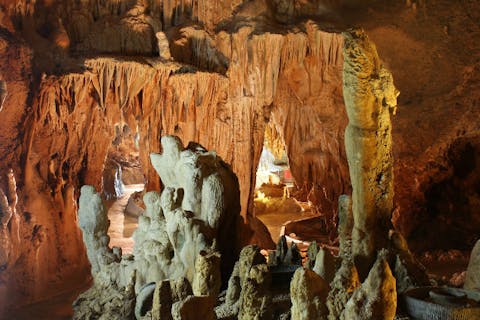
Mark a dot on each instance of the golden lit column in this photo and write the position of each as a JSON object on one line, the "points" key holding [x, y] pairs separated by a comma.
{"points": [[369, 96]]}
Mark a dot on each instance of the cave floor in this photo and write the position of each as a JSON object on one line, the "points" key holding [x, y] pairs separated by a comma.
{"points": [[275, 221], [55, 308], [122, 226], [120, 232]]}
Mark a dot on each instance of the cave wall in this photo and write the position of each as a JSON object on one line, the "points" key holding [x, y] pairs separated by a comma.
{"points": [[241, 64], [71, 125]]}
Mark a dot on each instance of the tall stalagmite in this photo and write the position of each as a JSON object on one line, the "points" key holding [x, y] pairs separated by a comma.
{"points": [[369, 96]]}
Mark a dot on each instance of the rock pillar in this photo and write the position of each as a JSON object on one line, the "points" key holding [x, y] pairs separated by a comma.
{"points": [[369, 96]]}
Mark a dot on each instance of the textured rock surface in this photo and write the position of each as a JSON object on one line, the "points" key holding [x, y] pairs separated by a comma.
{"points": [[207, 277], [162, 301], [346, 281], [201, 195], [61, 108], [93, 220], [117, 302], [308, 292], [369, 96], [194, 307], [258, 287], [345, 225], [472, 278], [407, 271], [325, 265], [175, 239], [255, 298], [377, 296]]}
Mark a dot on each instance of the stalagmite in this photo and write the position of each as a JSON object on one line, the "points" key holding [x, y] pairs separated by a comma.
{"points": [[345, 225], [312, 252], [207, 278], [346, 281], [369, 96], [256, 299], [163, 46], [162, 301], [472, 278], [308, 293], [377, 296], [176, 235], [250, 257], [325, 265], [407, 270], [92, 219]]}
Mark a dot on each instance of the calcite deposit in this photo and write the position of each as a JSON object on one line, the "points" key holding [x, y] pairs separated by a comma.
{"points": [[176, 238], [472, 278], [377, 296], [218, 73], [370, 97], [308, 292]]}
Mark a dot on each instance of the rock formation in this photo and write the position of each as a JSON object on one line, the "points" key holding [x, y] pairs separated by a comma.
{"points": [[207, 277], [308, 292], [250, 257], [343, 286], [255, 297], [377, 296], [325, 265], [369, 96], [236, 66], [285, 255], [93, 220], [472, 278], [345, 225], [194, 307], [175, 239]]}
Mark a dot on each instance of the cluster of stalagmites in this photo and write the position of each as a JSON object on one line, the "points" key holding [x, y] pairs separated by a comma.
{"points": [[176, 261], [180, 251]]}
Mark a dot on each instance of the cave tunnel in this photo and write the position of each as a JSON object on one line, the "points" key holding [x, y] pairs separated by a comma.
{"points": [[123, 185], [239, 159], [284, 205]]}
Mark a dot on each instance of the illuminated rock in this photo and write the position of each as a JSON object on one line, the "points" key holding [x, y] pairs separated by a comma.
{"points": [[325, 265], [93, 220], [207, 278], [176, 235], [255, 298], [308, 292], [472, 278], [377, 296], [346, 281], [369, 96]]}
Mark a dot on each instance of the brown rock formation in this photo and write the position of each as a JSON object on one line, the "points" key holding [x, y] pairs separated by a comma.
{"points": [[61, 108], [369, 96], [308, 293]]}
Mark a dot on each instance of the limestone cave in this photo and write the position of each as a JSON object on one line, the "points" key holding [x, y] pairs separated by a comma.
{"points": [[240, 159]]}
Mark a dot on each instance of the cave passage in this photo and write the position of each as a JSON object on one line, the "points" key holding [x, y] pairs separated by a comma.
{"points": [[123, 183], [275, 191], [122, 221]]}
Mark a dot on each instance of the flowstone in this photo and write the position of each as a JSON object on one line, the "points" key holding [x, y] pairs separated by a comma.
{"points": [[176, 238]]}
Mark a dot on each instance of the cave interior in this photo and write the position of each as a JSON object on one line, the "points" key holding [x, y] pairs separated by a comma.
{"points": [[239, 159]]}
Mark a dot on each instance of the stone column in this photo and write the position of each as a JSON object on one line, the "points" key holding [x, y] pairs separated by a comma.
{"points": [[369, 96]]}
